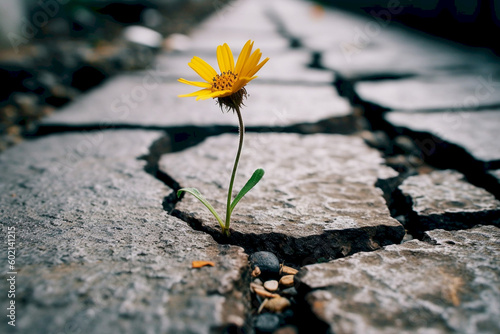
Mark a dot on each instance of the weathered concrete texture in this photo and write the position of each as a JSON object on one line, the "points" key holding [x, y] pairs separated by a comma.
{"points": [[444, 199], [458, 91], [415, 287], [496, 174], [410, 56], [476, 132], [317, 199], [316, 27], [364, 47], [96, 252], [286, 67], [202, 41], [127, 100], [241, 16]]}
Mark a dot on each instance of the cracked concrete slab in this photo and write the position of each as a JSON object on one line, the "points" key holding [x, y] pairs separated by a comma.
{"points": [[364, 46], [461, 91], [371, 46], [444, 199], [96, 252], [447, 285], [457, 127], [317, 199], [316, 27], [127, 100], [410, 56]]}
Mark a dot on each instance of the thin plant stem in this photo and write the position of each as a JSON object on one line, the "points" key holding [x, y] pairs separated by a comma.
{"points": [[235, 167]]}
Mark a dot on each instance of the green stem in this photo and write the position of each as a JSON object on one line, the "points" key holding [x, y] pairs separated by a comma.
{"points": [[233, 175]]}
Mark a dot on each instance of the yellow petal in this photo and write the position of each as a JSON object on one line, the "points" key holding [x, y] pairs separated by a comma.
{"points": [[200, 92], [203, 97], [225, 58], [241, 82], [222, 93], [203, 69], [258, 67], [230, 57], [220, 59], [219, 93], [195, 83], [252, 61], [245, 68], [243, 57]]}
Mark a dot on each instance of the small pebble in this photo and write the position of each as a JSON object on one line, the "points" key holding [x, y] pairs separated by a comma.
{"points": [[377, 139], [286, 270], [267, 262], [266, 323], [271, 285], [289, 292], [256, 272], [277, 304], [259, 290], [288, 315], [405, 144], [287, 281], [255, 286], [288, 329], [266, 294]]}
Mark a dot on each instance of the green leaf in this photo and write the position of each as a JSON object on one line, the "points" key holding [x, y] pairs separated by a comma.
{"points": [[254, 179], [199, 196]]}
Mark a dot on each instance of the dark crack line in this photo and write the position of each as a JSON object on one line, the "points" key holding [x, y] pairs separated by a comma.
{"points": [[187, 136], [442, 154], [434, 151], [293, 41], [484, 107], [438, 153]]}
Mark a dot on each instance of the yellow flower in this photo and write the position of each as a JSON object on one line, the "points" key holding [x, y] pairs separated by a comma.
{"points": [[229, 85]]}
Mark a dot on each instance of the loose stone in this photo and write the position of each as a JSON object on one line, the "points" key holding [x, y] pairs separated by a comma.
{"points": [[258, 282], [267, 262], [287, 280], [277, 304], [266, 323], [405, 144], [286, 270], [289, 329], [289, 292], [271, 285]]}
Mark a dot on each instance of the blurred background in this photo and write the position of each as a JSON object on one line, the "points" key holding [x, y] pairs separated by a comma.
{"points": [[53, 50], [471, 22]]}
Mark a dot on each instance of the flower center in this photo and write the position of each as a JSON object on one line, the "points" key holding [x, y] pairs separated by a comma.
{"points": [[224, 81]]}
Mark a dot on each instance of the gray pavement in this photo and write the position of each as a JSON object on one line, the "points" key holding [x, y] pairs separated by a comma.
{"points": [[382, 172]]}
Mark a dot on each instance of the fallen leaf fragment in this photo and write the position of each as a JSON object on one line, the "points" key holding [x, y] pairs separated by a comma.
{"points": [[199, 264]]}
